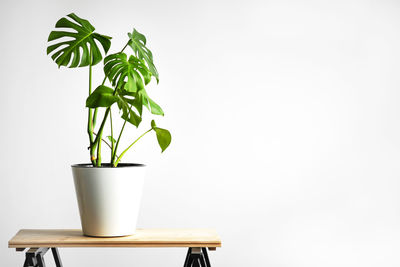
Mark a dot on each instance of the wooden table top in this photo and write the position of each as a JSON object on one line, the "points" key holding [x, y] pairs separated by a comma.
{"points": [[27, 238]]}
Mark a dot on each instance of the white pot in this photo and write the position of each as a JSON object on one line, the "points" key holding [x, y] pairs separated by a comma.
{"points": [[109, 198]]}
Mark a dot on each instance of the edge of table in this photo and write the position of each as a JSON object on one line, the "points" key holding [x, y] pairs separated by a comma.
{"points": [[142, 238]]}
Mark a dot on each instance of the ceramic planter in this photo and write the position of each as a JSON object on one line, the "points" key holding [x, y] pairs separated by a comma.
{"points": [[108, 198]]}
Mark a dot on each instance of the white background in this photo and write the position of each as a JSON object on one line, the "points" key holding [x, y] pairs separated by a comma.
{"points": [[285, 124]]}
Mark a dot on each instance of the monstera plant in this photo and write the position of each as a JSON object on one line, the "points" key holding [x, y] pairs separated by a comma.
{"points": [[76, 44], [109, 193]]}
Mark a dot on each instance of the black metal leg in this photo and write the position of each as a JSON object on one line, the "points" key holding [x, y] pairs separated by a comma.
{"points": [[191, 261], [197, 257], [186, 264], [34, 257], [196, 262], [40, 260], [56, 257], [202, 262], [30, 260], [206, 257]]}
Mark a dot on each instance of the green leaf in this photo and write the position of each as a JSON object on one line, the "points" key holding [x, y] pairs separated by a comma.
{"points": [[152, 106], [138, 44], [75, 50], [155, 109], [125, 73], [163, 138], [128, 114], [136, 101], [153, 124], [101, 97]]}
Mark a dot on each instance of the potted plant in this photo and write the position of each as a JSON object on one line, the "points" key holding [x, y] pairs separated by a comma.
{"points": [[109, 193]]}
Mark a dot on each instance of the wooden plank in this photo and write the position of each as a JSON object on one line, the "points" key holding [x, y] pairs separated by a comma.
{"points": [[142, 238]]}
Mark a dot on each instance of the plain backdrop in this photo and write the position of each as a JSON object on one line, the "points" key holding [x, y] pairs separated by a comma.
{"points": [[285, 124]]}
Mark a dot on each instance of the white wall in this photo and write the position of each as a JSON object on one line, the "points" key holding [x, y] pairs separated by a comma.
{"points": [[285, 123]]}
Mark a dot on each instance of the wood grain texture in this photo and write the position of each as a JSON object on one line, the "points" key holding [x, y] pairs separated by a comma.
{"points": [[142, 238]]}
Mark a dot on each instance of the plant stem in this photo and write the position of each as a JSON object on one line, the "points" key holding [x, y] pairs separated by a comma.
{"points": [[116, 145], [125, 46], [134, 142], [94, 117], [90, 122], [98, 160], [97, 141], [104, 141], [112, 140], [99, 135]]}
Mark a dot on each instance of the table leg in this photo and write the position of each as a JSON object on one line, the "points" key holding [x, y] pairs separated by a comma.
{"points": [[34, 257], [30, 259], [197, 257], [187, 257], [56, 257], [207, 264], [40, 260]]}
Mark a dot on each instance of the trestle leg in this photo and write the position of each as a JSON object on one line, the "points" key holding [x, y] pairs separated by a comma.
{"points": [[197, 257], [34, 257]]}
